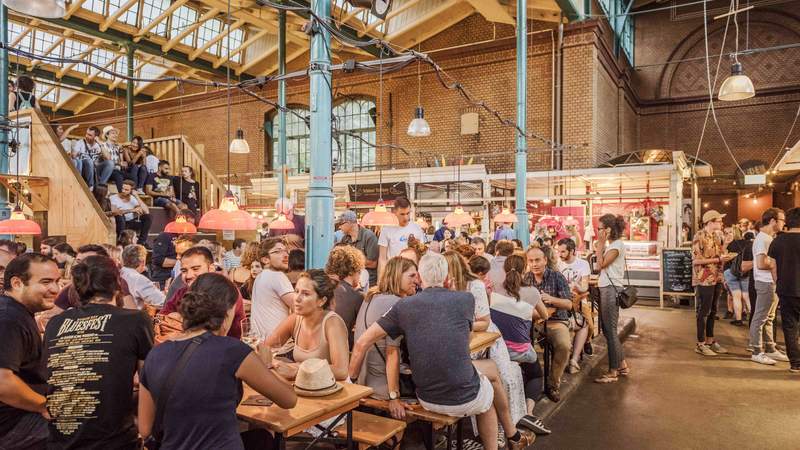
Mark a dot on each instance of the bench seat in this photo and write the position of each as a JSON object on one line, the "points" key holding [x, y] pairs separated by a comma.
{"points": [[371, 431]]}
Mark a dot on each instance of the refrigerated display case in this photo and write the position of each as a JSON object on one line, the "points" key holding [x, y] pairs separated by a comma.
{"points": [[643, 266]]}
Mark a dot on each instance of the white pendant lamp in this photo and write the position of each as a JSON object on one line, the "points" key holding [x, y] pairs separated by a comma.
{"points": [[419, 127], [737, 86], [239, 145], [46, 9]]}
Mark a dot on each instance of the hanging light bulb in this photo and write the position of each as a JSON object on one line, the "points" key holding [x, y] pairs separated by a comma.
{"points": [[506, 217], [458, 218], [419, 127], [380, 216], [228, 216], [46, 9], [18, 224], [546, 200], [253, 215], [180, 226], [737, 86], [239, 145]]}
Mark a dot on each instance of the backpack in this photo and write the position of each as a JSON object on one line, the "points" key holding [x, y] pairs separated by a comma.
{"points": [[736, 265]]}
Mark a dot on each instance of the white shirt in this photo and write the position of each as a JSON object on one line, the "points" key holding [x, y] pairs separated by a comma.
{"points": [[67, 144], [151, 162], [230, 260], [363, 279], [268, 310], [761, 247], [85, 151], [395, 239], [119, 203], [142, 289], [615, 273], [575, 270]]}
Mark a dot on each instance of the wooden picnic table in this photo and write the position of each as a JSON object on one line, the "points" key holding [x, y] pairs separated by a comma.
{"points": [[308, 412], [481, 340]]}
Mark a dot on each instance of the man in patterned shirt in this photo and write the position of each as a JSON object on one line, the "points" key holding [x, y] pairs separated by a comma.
{"points": [[708, 257]]}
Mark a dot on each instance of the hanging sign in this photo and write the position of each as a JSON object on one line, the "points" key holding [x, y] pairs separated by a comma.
{"points": [[374, 192]]}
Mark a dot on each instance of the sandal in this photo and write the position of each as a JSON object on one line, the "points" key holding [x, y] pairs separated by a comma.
{"points": [[606, 378], [625, 371]]}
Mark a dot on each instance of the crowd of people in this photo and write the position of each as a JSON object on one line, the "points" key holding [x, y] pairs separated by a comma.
{"points": [[96, 337], [755, 267]]}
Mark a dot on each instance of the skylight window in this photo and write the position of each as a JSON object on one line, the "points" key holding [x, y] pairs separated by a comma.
{"points": [[102, 58], [182, 18], [236, 39], [152, 9], [74, 50], [14, 31], [42, 41], [208, 31], [128, 16], [98, 6]]}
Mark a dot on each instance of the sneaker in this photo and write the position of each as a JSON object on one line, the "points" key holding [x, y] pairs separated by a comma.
{"points": [[587, 349], [737, 323], [534, 424], [704, 350], [778, 355], [574, 367], [762, 358], [794, 369], [716, 348], [526, 439]]}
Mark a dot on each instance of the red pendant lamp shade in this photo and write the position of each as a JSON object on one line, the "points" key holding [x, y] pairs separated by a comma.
{"points": [[379, 217], [228, 216], [506, 217], [19, 225], [180, 226], [281, 223], [458, 218]]}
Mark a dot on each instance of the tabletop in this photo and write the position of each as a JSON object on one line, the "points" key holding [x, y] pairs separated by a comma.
{"points": [[308, 412], [481, 340]]}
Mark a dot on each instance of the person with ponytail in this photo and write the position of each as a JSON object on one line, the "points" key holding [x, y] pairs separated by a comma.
{"points": [[317, 331], [94, 351], [611, 262], [207, 387]]}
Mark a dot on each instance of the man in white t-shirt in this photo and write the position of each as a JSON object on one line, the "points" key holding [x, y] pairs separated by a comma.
{"points": [[273, 294], [576, 271], [130, 212], [394, 239], [761, 326]]}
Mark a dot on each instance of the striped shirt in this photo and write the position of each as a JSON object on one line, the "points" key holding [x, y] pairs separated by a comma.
{"points": [[230, 260], [514, 318]]}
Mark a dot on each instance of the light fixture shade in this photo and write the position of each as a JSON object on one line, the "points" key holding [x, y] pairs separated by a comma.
{"points": [[506, 217], [46, 9], [228, 216], [281, 223], [180, 226], [458, 218], [738, 86], [380, 216], [239, 145], [419, 127], [18, 224]]}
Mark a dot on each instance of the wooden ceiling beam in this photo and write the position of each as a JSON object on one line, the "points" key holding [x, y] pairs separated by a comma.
{"points": [[116, 14], [52, 47], [94, 45], [289, 58], [492, 11], [74, 5], [96, 73], [442, 10], [168, 87], [153, 23], [224, 59], [393, 13], [256, 60], [236, 25], [210, 14]]}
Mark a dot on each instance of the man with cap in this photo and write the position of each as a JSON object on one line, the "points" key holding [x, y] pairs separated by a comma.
{"points": [[362, 239], [286, 207], [709, 254]]}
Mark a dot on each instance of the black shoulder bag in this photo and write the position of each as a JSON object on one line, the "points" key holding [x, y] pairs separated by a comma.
{"points": [[407, 387], [153, 442], [628, 296]]}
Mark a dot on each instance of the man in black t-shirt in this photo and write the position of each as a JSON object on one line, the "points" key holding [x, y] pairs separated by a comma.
{"points": [[739, 287], [785, 250], [31, 286], [159, 186]]}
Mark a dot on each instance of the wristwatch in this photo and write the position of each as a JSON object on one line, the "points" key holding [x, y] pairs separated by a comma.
{"points": [[394, 395]]}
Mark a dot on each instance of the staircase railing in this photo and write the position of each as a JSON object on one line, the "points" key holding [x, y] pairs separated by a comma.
{"points": [[179, 152]]}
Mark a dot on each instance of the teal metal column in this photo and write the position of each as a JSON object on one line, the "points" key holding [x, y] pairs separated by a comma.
{"points": [[319, 201], [129, 93], [3, 102], [523, 233], [282, 103]]}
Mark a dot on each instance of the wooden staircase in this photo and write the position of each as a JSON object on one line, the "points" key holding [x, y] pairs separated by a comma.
{"points": [[53, 190]]}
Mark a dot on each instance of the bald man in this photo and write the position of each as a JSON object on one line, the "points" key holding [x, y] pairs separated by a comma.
{"points": [[286, 207]]}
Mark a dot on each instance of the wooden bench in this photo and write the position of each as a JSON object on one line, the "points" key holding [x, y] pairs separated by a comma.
{"points": [[371, 431], [418, 413]]}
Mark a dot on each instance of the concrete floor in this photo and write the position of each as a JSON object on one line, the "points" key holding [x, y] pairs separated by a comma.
{"points": [[677, 399]]}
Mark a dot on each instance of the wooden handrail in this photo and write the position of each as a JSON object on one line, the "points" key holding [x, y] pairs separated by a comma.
{"points": [[179, 152]]}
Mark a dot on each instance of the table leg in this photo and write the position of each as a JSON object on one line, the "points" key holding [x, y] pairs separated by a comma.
{"points": [[460, 435], [280, 442], [349, 420], [427, 436], [449, 437]]}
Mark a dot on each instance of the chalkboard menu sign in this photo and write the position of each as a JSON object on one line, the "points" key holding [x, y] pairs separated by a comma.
{"points": [[676, 270]]}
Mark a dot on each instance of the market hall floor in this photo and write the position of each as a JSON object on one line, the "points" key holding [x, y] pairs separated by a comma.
{"points": [[677, 399]]}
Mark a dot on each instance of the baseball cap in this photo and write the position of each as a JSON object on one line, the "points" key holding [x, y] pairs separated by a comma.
{"points": [[710, 215], [348, 216]]}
